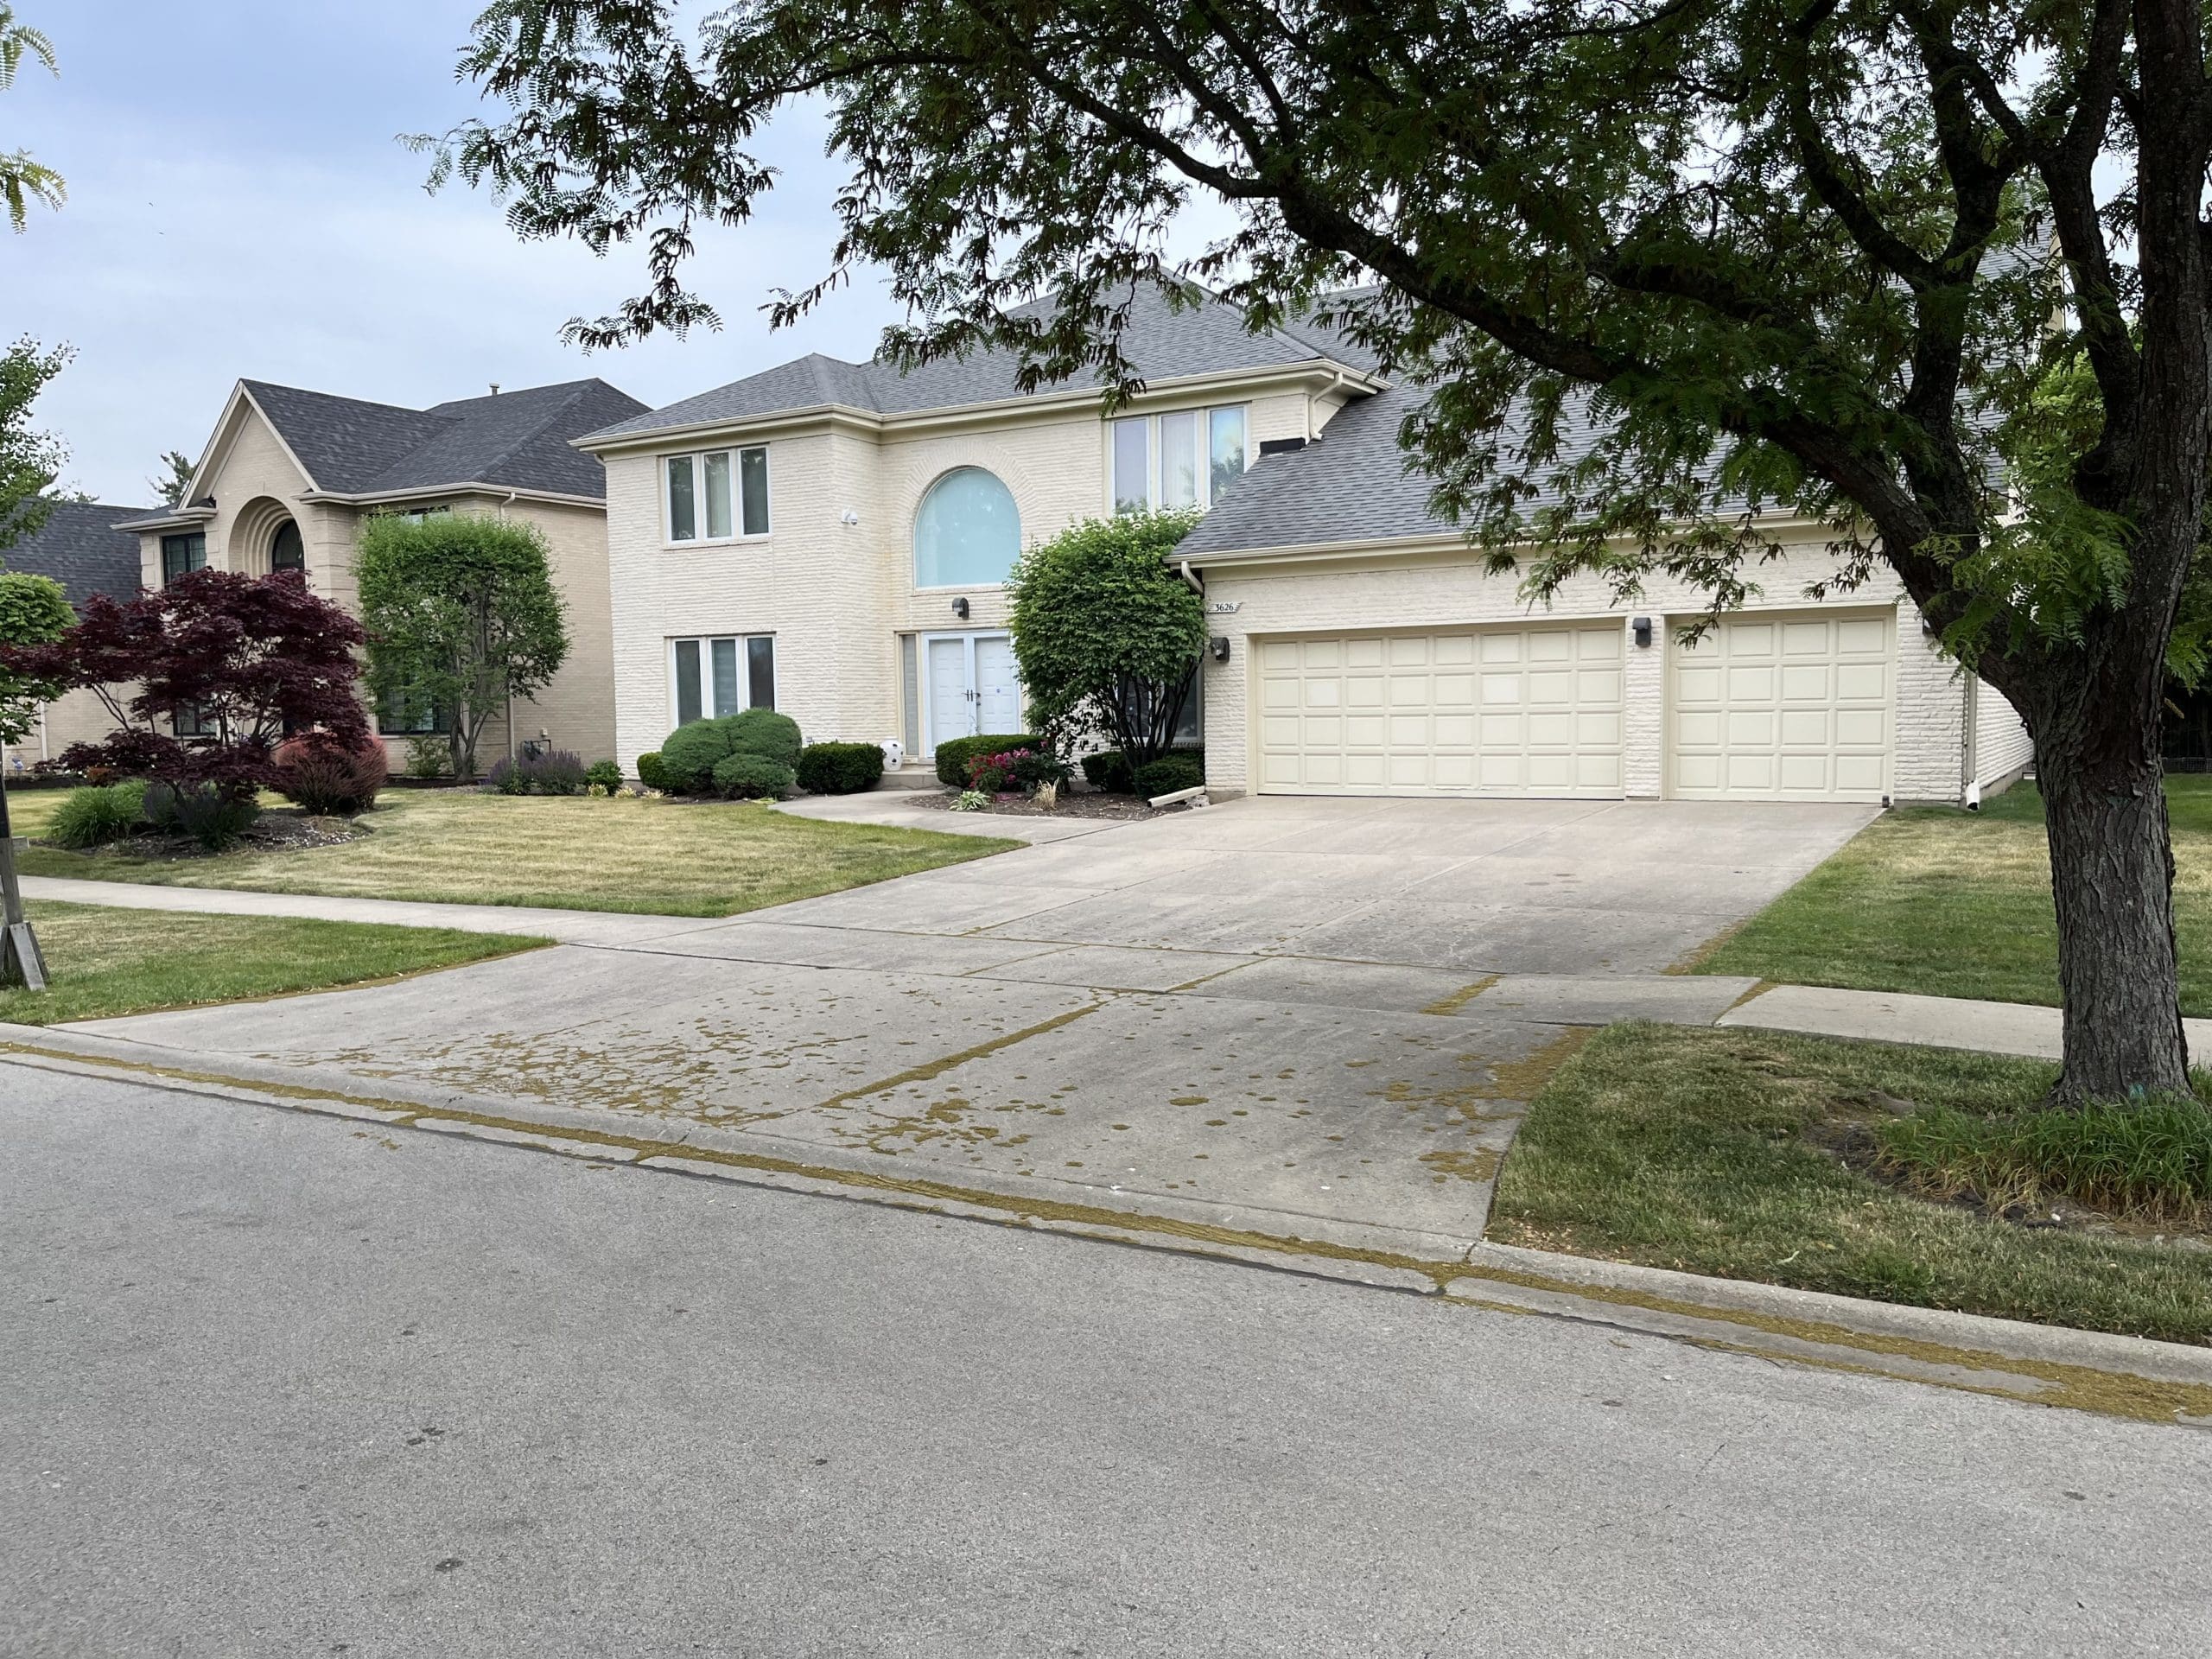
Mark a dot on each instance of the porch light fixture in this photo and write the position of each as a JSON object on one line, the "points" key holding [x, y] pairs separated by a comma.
{"points": [[1643, 626], [1219, 645], [960, 607]]}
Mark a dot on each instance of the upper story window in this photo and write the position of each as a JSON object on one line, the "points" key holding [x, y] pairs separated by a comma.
{"points": [[717, 495], [1185, 459], [967, 532], [183, 553]]}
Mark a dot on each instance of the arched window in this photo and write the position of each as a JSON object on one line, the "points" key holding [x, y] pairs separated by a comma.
{"points": [[285, 552], [967, 532]]}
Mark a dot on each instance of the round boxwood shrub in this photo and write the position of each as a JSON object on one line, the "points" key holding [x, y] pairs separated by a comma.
{"points": [[603, 774], [692, 751], [755, 777], [765, 732], [1108, 770], [839, 768], [1169, 774], [689, 757], [650, 772], [954, 753]]}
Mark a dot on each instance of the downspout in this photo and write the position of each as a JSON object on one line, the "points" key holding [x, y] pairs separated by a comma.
{"points": [[1183, 568]]}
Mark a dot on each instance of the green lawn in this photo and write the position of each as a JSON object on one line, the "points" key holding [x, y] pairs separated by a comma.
{"points": [[102, 962], [1951, 903], [662, 857], [1710, 1151]]}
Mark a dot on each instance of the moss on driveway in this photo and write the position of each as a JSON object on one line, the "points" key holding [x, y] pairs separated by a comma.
{"points": [[1944, 902], [103, 963], [660, 857]]}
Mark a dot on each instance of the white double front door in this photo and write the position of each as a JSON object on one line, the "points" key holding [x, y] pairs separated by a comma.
{"points": [[970, 687]]}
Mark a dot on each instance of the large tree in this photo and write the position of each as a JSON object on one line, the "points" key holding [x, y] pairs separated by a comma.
{"points": [[1796, 258], [23, 180], [463, 613], [30, 460]]}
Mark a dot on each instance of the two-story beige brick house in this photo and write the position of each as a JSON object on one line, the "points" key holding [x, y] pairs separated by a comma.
{"points": [[831, 539], [289, 476]]}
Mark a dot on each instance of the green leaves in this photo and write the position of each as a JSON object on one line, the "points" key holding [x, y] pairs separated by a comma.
{"points": [[33, 611], [29, 461], [1105, 633], [461, 610]]}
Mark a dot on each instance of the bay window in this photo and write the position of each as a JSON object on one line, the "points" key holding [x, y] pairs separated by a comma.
{"points": [[718, 495]]}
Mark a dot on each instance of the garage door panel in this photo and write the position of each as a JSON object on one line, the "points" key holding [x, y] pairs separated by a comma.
{"points": [[1783, 708], [1506, 711]]}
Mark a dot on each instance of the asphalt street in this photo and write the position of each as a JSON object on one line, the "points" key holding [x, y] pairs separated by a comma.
{"points": [[272, 1383]]}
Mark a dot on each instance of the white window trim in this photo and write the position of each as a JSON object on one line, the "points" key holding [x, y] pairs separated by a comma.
{"points": [[914, 524], [698, 459], [1155, 453], [707, 670]]}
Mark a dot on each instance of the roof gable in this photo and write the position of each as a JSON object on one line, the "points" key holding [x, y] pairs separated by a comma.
{"points": [[518, 439]]}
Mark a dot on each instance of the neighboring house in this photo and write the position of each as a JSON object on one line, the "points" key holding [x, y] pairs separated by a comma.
{"points": [[831, 537], [290, 475], [80, 547]]}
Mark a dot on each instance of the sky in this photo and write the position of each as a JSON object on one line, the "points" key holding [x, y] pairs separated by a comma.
{"points": [[239, 208]]}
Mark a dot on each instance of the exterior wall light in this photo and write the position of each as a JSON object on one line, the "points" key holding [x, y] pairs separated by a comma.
{"points": [[1643, 626], [960, 607], [1219, 646]]}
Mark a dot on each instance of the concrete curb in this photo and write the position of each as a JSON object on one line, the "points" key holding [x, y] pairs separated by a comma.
{"points": [[2131, 1377]]}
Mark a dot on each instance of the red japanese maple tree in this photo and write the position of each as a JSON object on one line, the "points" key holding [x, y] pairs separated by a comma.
{"points": [[206, 676]]}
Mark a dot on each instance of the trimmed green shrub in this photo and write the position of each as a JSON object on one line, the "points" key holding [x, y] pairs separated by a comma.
{"points": [[688, 758], [605, 774], [1108, 770], [755, 777], [692, 751], [954, 753], [1169, 774], [764, 732], [650, 772], [94, 816], [839, 768]]}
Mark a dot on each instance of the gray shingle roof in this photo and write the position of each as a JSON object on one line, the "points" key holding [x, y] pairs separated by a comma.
{"points": [[81, 549], [1161, 342], [1351, 484], [519, 439]]}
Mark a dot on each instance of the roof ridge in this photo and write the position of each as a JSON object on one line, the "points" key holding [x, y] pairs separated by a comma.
{"points": [[340, 397]]}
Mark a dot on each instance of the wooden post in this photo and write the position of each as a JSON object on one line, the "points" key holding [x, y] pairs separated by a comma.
{"points": [[20, 961]]}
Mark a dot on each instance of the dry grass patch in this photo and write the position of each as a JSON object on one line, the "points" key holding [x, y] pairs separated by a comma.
{"points": [[456, 846]]}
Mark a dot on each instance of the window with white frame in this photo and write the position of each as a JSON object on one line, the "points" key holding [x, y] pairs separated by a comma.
{"points": [[1187, 458], [717, 495], [722, 676]]}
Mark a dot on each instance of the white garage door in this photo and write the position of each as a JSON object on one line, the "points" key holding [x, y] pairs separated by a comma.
{"points": [[1517, 711], [1783, 707]]}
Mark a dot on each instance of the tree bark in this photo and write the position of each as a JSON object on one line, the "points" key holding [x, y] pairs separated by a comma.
{"points": [[2111, 882]]}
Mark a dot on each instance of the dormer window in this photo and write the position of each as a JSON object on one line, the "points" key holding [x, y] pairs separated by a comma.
{"points": [[1187, 457], [717, 495]]}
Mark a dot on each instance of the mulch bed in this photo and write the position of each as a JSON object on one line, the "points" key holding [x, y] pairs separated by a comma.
{"points": [[1090, 803], [278, 829]]}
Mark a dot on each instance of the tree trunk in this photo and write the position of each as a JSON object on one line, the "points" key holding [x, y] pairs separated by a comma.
{"points": [[2111, 879]]}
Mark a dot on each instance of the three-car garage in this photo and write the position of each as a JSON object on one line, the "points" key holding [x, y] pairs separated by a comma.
{"points": [[1781, 705]]}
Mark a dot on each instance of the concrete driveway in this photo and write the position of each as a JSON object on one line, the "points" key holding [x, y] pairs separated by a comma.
{"points": [[1302, 1018]]}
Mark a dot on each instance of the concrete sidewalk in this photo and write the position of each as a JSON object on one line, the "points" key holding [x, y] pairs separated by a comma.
{"points": [[1285, 976], [1936, 1022]]}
